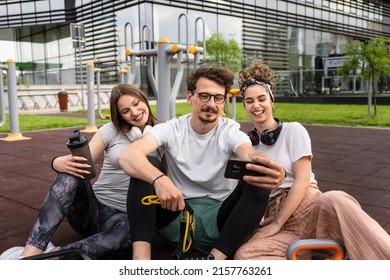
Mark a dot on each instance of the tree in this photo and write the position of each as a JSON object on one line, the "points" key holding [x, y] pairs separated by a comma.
{"points": [[372, 58], [224, 52]]}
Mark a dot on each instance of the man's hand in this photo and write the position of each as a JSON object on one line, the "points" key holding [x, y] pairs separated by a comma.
{"points": [[274, 172], [171, 198]]}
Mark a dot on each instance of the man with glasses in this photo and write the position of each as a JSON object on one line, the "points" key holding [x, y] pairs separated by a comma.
{"points": [[197, 147]]}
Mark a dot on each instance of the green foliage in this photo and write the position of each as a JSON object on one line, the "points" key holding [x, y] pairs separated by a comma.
{"points": [[372, 58], [354, 54], [223, 52]]}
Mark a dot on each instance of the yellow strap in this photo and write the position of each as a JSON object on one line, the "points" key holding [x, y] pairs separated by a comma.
{"points": [[150, 199], [190, 221]]}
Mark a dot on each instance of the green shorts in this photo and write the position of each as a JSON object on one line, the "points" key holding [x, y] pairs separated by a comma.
{"points": [[206, 230]]}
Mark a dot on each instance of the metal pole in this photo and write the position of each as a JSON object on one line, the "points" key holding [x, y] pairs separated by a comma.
{"points": [[179, 34], [121, 76], [176, 86], [203, 49], [91, 99], [12, 97], [97, 70], [98, 90], [164, 78], [234, 107], [81, 66], [81, 80], [234, 93], [132, 71], [2, 102], [149, 52], [128, 24], [127, 74], [14, 134]]}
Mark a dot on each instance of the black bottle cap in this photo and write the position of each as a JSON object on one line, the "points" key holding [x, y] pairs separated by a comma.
{"points": [[76, 140]]}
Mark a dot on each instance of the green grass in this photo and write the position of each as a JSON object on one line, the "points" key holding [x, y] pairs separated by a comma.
{"points": [[29, 122], [328, 114]]}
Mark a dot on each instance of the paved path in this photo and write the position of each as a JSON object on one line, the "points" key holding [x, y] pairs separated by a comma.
{"points": [[356, 160]]}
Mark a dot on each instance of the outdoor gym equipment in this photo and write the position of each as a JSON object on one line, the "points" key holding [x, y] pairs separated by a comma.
{"points": [[233, 93], [165, 51], [130, 65], [125, 75], [14, 134], [2, 102], [91, 127], [91, 70], [99, 100]]}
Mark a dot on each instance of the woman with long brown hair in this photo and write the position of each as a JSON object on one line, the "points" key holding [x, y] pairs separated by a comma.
{"points": [[98, 212]]}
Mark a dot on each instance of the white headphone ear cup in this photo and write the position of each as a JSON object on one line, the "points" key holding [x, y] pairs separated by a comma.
{"points": [[135, 134]]}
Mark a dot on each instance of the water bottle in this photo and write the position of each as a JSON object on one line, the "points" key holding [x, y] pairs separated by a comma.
{"points": [[78, 146]]}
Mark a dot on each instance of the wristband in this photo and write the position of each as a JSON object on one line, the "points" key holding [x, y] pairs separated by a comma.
{"points": [[158, 177], [52, 161]]}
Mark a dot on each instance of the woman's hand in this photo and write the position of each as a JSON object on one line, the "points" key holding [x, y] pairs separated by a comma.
{"points": [[73, 165], [269, 230]]}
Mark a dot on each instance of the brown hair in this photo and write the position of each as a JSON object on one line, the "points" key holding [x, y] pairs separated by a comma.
{"points": [[127, 89], [258, 69], [220, 75]]}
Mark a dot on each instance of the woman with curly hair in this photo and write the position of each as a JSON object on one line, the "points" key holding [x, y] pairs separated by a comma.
{"points": [[297, 209]]}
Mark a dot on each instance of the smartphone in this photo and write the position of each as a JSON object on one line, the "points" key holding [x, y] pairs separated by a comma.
{"points": [[236, 169]]}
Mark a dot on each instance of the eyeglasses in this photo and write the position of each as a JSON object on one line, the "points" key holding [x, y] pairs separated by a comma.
{"points": [[205, 97]]}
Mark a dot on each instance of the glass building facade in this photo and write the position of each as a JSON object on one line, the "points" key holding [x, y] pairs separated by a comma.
{"points": [[292, 36]]}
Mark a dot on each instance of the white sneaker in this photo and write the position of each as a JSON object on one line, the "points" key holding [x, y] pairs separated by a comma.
{"points": [[15, 252], [12, 253], [49, 247]]}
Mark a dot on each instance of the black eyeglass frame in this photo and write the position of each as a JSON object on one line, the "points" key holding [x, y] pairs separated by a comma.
{"points": [[207, 96]]}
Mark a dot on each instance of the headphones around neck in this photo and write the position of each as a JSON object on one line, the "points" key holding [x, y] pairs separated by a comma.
{"points": [[267, 137]]}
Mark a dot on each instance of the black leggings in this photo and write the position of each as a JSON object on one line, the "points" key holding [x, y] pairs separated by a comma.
{"points": [[238, 216]]}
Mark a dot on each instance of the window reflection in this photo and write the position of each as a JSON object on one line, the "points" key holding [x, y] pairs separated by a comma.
{"points": [[56, 4], [282, 6], [25, 51], [231, 30], [14, 9], [42, 5], [166, 19], [274, 39]]}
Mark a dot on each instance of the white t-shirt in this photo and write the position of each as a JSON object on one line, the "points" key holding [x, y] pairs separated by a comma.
{"points": [[196, 163], [293, 143]]}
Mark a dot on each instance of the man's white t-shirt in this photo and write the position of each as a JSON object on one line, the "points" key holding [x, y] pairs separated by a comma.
{"points": [[196, 163]]}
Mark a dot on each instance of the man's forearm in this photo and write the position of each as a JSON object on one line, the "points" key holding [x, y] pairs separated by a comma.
{"points": [[135, 164]]}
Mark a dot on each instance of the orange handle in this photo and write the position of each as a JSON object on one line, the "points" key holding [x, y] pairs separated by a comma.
{"points": [[316, 244]]}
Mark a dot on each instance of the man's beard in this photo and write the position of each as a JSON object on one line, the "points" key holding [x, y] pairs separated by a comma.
{"points": [[209, 118]]}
